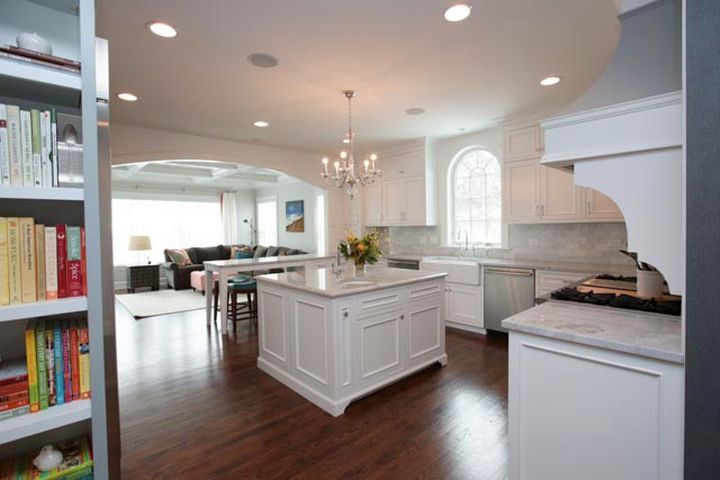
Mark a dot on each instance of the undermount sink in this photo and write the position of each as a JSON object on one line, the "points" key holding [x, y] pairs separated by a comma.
{"points": [[358, 284]]}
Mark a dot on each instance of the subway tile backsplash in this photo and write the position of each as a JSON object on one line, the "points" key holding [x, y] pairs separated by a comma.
{"points": [[568, 242]]}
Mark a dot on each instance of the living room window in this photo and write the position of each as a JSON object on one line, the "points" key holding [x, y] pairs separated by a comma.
{"points": [[474, 199], [267, 221], [168, 223]]}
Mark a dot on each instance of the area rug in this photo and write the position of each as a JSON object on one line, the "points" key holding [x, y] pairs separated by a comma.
{"points": [[161, 302]]}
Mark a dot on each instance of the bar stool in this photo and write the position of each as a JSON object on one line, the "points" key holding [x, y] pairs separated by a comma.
{"points": [[238, 285]]}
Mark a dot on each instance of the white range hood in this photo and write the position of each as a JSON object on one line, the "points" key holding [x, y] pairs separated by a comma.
{"points": [[633, 153]]}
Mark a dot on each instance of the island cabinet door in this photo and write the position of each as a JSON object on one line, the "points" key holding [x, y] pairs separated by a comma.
{"points": [[311, 345], [274, 341], [377, 347], [425, 331]]}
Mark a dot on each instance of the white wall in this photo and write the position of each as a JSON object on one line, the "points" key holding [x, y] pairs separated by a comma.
{"points": [[647, 61], [289, 192], [444, 151], [245, 204]]}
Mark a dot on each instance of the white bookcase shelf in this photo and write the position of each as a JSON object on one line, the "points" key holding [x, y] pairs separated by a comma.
{"points": [[41, 193], [54, 417], [61, 306], [39, 74]]}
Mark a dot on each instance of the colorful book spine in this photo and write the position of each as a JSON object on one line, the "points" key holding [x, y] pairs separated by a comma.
{"points": [[4, 147], [54, 141], [74, 262], [27, 259], [51, 272], [32, 372], [12, 396], [40, 279], [46, 148], [61, 260], [4, 264], [41, 365], [14, 276], [12, 388], [15, 412], [14, 144], [26, 148], [67, 367], [36, 146], [50, 362], [14, 404], [74, 360], [84, 361], [83, 260], [59, 364]]}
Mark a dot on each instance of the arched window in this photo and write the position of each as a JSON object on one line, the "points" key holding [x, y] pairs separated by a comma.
{"points": [[475, 196]]}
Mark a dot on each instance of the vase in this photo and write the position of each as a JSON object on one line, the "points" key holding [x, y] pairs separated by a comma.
{"points": [[360, 268]]}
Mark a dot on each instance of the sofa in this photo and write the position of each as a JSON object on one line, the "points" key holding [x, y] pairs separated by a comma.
{"points": [[178, 277]]}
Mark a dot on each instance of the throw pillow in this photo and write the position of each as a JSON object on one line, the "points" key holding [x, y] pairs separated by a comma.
{"points": [[272, 252], [240, 255], [179, 257], [260, 251], [235, 249]]}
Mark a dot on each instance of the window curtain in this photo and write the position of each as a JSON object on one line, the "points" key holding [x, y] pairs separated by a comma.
{"points": [[228, 208]]}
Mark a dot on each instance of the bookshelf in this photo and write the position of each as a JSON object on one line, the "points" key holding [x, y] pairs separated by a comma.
{"points": [[70, 27]]}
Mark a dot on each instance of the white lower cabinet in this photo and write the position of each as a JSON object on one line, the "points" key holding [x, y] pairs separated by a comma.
{"points": [[580, 412], [547, 281], [465, 306]]}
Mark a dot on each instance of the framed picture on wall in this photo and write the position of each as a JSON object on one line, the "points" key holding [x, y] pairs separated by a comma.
{"points": [[295, 216]]}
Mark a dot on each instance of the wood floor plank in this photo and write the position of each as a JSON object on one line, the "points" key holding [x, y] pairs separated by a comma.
{"points": [[194, 405]]}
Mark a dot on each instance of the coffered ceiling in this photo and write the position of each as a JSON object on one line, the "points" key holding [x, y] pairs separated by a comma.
{"points": [[399, 54]]}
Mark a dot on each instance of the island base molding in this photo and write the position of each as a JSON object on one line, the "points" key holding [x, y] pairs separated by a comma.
{"points": [[337, 407]]}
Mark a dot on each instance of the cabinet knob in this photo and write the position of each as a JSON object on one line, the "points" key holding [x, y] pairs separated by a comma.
{"points": [[346, 313], [402, 317]]}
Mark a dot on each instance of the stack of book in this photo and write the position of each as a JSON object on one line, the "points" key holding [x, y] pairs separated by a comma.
{"points": [[37, 58], [28, 147], [55, 371], [39, 263], [77, 463]]}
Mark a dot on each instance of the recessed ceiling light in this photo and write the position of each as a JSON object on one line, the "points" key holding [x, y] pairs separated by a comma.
{"points": [[261, 124], [263, 60], [346, 140], [127, 96], [550, 81], [162, 29], [415, 111], [458, 12]]}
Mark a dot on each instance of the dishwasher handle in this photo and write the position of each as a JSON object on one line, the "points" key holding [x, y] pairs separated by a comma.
{"points": [[511, 273]]}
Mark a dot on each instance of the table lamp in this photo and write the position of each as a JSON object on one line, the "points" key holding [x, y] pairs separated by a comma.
{"points": [[140, 243]]}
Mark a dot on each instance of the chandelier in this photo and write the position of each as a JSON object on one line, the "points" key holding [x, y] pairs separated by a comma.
{"points": [[345, 174]]}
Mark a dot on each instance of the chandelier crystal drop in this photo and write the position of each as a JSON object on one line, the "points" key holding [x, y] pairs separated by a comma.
{"points": [[346, 175]]}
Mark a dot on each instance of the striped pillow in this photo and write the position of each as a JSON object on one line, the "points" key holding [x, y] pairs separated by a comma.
{"points": [[179, 257]]}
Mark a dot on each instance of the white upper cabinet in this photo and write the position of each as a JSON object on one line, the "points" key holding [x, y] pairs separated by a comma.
{"points": [[405, 194], [534, 193]]}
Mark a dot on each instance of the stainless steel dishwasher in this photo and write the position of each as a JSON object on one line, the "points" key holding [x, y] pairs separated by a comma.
{"points": [[507, 291]]}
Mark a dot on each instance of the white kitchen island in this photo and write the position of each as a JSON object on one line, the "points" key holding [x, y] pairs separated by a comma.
{"points": [[333, 340]]}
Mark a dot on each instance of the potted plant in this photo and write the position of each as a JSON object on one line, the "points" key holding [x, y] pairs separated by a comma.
{"points": [[362, 250]]}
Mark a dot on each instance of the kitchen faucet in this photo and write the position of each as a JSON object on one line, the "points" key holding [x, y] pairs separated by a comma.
{"points": [[338, 270]]}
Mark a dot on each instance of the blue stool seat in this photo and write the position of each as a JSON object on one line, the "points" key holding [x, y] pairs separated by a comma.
{"points": [[248, 284]]}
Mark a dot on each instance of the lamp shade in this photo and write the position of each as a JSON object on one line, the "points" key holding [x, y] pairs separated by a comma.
{"points": [[139, 243]]}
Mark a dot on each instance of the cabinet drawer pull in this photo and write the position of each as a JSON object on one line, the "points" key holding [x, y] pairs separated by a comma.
{"points": [[346, 313], [402, 317]]}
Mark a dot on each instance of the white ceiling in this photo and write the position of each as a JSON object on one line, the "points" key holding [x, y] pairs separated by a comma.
{"points": [[198, 175], [399, 54]]}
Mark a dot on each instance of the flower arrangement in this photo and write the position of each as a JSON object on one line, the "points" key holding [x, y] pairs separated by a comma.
{"points": [[361, 250]]}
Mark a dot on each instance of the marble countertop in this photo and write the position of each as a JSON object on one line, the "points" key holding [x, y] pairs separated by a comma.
{"points": [[305, 257], [643, 334], [575, 267], [322, 281]]}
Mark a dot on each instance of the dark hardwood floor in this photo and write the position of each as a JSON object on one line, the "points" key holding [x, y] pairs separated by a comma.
{"points": [[194, 405]]}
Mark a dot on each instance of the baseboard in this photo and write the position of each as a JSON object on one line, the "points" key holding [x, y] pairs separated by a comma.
{"points": [[465, 328]]}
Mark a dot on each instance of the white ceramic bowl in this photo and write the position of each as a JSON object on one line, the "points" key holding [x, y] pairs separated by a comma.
{"points": [[34, 42]]}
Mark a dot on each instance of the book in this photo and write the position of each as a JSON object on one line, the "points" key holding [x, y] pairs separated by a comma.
{"points": [[41, 364], [36, 137], [61, 260], [4, 147], [77, 463], [45, 58], [74, 360], [14, 144], [83, 260], [59, 364], [51, 274], [40, 261], [67, 367], [26, 148], [12, 371], [14, 387], [14, 404], [12, 396], [50, 362], [15, 412], [4, 267], [27, 259], [13, 248], [74, 262], [31, 365], [54, 141], [46, 148], [84, 361]]}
